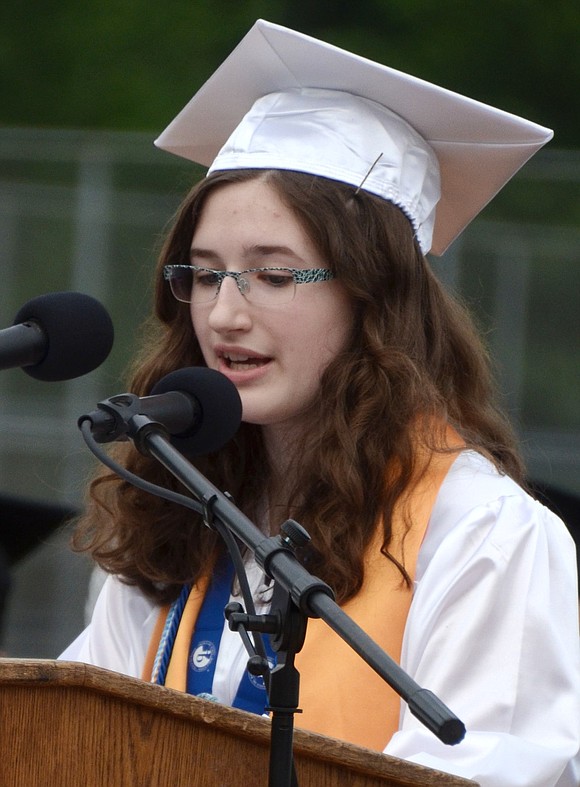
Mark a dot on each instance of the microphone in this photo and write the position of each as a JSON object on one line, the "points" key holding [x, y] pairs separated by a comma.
{"points": [[199, 407], [58, 336]]}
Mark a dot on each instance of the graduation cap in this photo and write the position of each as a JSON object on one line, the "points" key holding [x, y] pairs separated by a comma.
{"points": [[284, 100]]}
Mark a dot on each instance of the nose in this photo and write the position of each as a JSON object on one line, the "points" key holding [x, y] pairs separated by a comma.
{"points": [[230, 311]]}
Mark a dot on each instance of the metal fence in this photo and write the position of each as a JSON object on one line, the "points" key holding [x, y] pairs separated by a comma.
{"points": [[85, 211]]}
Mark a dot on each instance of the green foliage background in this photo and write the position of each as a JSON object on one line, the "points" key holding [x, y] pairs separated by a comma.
{"points": [[131, 64]]}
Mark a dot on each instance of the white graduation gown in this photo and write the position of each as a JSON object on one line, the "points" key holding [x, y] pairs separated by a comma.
{"points": [[492, 630]]}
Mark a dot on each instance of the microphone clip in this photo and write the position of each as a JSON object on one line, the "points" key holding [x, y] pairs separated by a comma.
{"points": [[120, 418]]}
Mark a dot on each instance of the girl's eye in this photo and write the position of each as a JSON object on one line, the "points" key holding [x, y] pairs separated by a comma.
{"points": [[276, 278], [206, 278]]}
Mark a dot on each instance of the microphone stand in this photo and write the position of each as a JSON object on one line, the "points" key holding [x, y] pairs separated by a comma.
{"points": [[303, 596]]}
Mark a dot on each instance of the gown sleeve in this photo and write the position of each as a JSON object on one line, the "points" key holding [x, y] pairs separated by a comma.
{"points": [[119, 632], [493, 631]]}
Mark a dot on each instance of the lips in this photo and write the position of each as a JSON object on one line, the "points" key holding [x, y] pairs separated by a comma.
{"points": [[241, 361]]}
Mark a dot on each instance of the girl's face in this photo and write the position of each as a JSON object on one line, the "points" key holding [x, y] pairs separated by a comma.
{"points": [[273, 353]]}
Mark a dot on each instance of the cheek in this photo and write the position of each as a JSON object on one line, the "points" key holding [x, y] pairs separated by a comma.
{"points": [[197, 321], [199, 324], [316, 343], [334, 326]]}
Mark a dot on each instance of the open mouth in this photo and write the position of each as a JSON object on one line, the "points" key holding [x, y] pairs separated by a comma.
{"points": [[241, 363]]}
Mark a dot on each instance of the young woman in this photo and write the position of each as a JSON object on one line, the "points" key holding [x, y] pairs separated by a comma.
{"points": [[369, 417]]}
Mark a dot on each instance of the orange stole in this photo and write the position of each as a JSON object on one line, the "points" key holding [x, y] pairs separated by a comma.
{"points": [[340, 695], [176, 677]]}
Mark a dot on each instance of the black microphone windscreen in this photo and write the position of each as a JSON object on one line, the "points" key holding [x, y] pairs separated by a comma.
{"points": [[79, 334], [220, 408]]}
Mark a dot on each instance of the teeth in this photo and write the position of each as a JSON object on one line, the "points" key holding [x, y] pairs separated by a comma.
{"points": [[242, 362], [237, 358]]}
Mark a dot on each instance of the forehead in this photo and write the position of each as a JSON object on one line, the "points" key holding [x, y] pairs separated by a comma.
{"points": [[249, 211], [234, 195]]}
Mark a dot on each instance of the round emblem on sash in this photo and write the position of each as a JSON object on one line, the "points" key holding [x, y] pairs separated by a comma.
{"points": [[202, 656]]}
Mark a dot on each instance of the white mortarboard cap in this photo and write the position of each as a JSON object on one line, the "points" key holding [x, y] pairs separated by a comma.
{"points": [[284, 100]]}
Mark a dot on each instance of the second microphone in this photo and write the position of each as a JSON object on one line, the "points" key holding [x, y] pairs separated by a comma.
{"points": [[198, 406]]}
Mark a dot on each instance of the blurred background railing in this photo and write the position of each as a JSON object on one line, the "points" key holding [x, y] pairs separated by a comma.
{"points": [[86, 211]]}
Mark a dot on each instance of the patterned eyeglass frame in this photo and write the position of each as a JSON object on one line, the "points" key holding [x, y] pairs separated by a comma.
{"points": [[299, 275]]}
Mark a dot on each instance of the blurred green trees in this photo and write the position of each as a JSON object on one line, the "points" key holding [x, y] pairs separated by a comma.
{"points": [[132, 64]]}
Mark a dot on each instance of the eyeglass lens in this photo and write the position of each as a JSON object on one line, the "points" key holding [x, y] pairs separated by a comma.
{"points": [[260, 286]]}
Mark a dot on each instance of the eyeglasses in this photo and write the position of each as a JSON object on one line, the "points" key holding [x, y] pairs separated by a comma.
{"points": [[262, 286]]}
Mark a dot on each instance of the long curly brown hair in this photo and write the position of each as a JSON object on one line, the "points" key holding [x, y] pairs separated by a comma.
{"points": [[413, 357]]}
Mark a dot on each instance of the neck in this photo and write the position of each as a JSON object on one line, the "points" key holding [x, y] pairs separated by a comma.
{"points": [[281, 451]]}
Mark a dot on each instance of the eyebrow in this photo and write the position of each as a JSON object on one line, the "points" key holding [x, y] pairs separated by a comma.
{"points": [[251, 252], [203, 254]]}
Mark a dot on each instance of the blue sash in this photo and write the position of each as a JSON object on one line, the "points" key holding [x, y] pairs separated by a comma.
{"points": [[251, 695]]}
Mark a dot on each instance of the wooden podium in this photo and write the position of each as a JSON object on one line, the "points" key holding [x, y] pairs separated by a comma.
{"points": [[64, 724]]}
